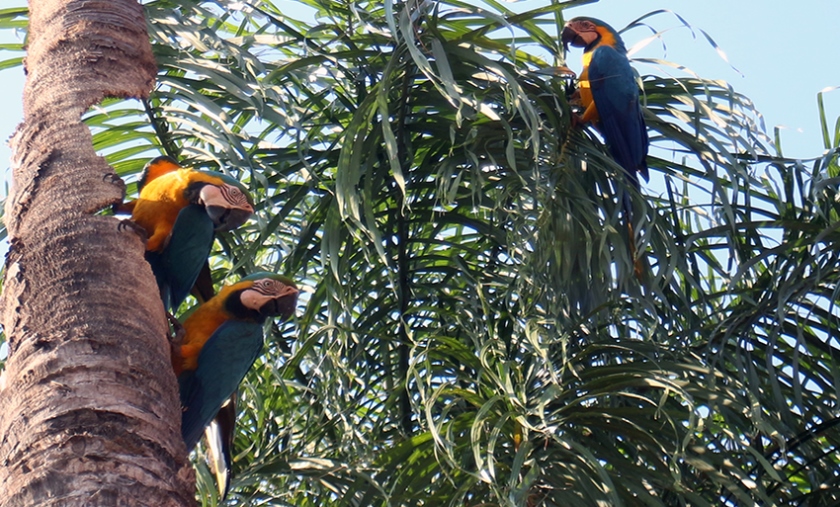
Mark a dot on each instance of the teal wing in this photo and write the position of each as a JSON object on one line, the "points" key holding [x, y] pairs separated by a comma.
{"points": [[224, 360], [177, 267]]}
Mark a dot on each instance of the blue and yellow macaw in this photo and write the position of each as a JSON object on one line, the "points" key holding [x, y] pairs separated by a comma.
{"points": [[180, 209], [609, 93], [221, 340], [610, 98]]}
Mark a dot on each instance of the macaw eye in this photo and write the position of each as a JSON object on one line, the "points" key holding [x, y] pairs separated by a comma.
{"points": [[234, 195], [268, 286]]}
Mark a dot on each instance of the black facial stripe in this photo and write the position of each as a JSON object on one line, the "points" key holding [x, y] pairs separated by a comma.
{"points": [[193, 191], [234, 306]]}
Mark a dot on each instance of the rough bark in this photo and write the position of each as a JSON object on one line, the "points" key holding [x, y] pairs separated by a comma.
{"points": [[89, 411]]}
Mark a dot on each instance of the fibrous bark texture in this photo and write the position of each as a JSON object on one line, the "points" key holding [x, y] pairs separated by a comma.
{"points": [[89, 407]]}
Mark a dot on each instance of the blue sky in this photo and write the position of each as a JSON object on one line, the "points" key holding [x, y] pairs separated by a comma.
{"points": [[785, 51]]}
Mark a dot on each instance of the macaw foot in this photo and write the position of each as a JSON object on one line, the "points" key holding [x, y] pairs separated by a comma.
{"points": [[138, 229], [113, 178], [178, 332], [175, 338]]}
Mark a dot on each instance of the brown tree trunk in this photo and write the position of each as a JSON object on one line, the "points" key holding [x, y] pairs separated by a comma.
{"points": [[89, 411]]}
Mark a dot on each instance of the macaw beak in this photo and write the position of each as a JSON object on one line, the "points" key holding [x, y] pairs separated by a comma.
{"points": [[577, 39], [567, 36], [227, 219], [283, 306], [279, 305], [226, 215]]}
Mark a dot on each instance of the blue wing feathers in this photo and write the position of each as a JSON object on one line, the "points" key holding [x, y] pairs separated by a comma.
{"points": [[224, 360], [177, 267], [616, 97]]}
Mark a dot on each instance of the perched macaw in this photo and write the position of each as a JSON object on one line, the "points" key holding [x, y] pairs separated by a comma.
{"points": [[180, 209], [610, 98], [219, 434], [609, 93], [222, 339]]}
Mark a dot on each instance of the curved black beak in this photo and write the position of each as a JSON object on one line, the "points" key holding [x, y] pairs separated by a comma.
{"points": [[567, 36], [284, 306], [227, 219]]}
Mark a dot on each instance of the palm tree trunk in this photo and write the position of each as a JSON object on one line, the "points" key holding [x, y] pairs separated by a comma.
{"points": [[89, 411]]}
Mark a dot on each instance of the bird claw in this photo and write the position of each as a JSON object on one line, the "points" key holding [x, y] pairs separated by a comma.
{"points": [[138, 229], [178, 330], [577, 121], [113, 178]]}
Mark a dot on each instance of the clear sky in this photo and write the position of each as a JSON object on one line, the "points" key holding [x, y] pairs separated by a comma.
{"points": [[786, 52]]}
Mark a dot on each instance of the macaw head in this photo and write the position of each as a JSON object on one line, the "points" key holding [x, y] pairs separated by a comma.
{"points": [[261, 295], [582, 32], [227, 202]]}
